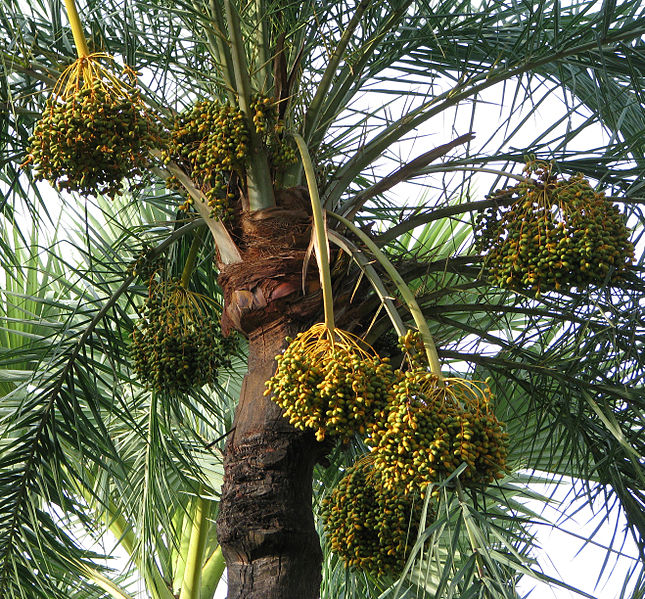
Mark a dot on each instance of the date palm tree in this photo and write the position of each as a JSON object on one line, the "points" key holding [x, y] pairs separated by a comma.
{"points": [[398, 119]]}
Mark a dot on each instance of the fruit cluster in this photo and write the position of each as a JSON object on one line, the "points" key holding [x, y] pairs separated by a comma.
{"points": [[93, 133], [369, 526], [178, 344], [555, 234], [420, 426], [329, 382], [431, 427], [268, 125], [210, 141], [146, 263]]}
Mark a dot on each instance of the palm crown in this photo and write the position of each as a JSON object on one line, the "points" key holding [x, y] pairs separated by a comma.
{"points": [[335, 102]]}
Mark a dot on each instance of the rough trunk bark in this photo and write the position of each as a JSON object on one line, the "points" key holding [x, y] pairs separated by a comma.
{"points": [[265, 523]]}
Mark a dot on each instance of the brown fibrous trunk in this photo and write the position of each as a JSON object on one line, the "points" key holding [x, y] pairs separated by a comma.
{"points": [[265, 523]]}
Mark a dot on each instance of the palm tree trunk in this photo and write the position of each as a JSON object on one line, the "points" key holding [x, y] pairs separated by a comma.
{"points": [[265, 523]]}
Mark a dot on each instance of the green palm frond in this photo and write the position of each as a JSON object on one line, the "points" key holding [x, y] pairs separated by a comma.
{"points": [[65, 419]]}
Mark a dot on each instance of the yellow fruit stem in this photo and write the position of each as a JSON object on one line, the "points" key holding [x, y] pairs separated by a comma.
{"points": [[468, 390], [406, 294], [318, 340], [77, 29], [320, 232], [87, 70]]}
